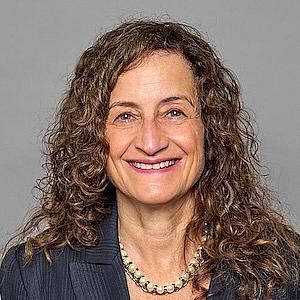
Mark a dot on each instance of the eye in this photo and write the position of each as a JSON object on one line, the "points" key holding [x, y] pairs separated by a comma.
{"points": [[124, 117], [176, 113]]}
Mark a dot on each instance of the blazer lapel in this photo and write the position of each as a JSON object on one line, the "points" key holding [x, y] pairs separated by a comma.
{"points": [[101, 275]]}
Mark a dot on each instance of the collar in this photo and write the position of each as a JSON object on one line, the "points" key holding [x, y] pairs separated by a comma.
{"points": [[108, 247]]}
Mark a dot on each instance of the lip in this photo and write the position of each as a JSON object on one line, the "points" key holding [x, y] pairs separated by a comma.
{"points": [[154, 171], [153, 161]]}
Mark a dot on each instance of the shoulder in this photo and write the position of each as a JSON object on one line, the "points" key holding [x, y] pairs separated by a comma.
{"points": [[225, 284], [20, 280], [11, 281], [292, 291], [15, 257], [286, 292]]}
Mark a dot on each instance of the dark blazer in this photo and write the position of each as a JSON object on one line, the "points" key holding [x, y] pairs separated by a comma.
{"points": [[90, 273]]}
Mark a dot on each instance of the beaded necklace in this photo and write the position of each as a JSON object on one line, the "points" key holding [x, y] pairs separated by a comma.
{"points": [[138, 277]]}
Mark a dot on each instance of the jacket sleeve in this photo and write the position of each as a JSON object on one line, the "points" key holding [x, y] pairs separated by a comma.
{"points": [[11, 282]]}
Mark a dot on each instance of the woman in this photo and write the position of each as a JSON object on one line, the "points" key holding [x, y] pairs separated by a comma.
{"points": [[153, 188]]}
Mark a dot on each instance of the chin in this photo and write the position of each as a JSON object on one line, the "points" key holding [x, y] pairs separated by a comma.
{"points": [[154, 202], [156, 199]]}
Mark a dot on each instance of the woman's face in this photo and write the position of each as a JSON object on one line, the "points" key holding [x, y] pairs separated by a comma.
{"points": [[154, 130]]}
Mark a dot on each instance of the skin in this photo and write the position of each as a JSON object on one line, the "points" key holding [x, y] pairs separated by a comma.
{"points": [[154, 117]]}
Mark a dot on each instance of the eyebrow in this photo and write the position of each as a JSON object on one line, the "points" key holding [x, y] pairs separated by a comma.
{"points": [[163, 101]]}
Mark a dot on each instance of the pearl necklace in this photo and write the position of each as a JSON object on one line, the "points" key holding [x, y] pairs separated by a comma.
{"points": [[138, 277]]}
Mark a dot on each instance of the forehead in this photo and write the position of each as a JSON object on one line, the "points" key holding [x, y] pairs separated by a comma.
{"points": [[159, 75]]}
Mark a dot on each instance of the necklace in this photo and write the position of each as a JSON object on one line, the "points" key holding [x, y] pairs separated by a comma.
{"points": [[138, 277]]}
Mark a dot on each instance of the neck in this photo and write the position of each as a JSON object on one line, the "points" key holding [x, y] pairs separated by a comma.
{"points": [[153, 235]]}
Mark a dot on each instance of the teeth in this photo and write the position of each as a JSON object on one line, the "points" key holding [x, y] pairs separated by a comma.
{"points": [[145, 167], [163, 164]]}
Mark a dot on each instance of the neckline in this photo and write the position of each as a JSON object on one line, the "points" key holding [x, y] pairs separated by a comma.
{"points": [[108, 249]]}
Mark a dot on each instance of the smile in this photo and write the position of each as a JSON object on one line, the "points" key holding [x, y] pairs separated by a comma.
{"points": [[157, 166]]}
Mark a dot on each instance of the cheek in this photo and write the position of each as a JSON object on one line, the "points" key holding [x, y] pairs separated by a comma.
{"points": [[119, 141], [189, 137], [198, 138], [114, 148]]}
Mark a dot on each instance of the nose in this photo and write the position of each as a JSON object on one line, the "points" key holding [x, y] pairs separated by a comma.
{"points": [[151, 138]]}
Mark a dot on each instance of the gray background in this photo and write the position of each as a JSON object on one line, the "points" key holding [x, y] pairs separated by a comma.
{"points": [[41, 41]]}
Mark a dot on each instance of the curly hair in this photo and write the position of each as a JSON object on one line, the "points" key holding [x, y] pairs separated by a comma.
{"points": [[233, 217]]}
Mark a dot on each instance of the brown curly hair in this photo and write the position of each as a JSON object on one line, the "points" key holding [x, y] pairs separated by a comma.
{"points": [[233, 216]]}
